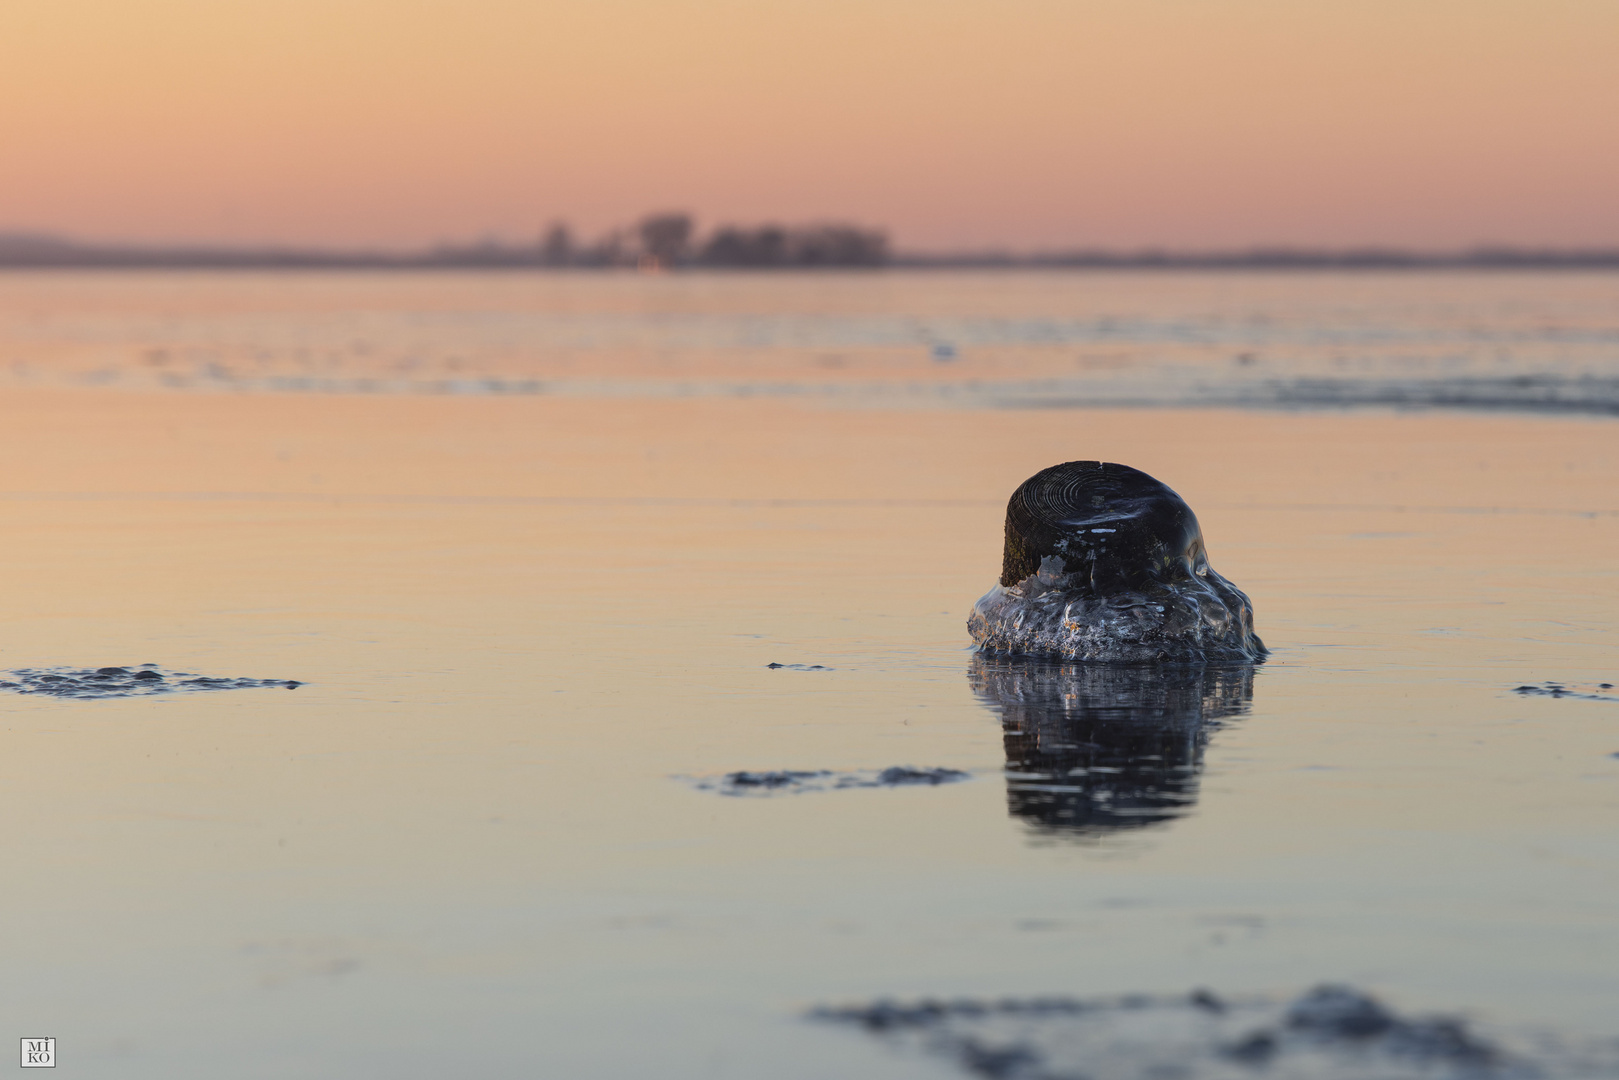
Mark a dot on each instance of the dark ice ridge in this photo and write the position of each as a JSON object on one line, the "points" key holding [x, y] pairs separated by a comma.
{"points": [[1329, 1033], [1558, 690], [113, 682], [792, 782]]}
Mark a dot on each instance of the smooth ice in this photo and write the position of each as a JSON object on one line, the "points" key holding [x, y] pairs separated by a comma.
{"points": [[468, 842]]}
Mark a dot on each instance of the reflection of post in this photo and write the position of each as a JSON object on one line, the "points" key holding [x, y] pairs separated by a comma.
{"points": [[1095, 748]]}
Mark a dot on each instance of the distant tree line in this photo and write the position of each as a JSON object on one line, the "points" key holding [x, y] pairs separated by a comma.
{"points": [[658, 241], [669, 240]]}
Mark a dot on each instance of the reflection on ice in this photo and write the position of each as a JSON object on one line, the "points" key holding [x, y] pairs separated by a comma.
{"points": [[1095, 748]]}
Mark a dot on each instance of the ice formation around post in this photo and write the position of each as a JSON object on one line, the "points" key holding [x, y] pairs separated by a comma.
{"points": [[1105, 563]]}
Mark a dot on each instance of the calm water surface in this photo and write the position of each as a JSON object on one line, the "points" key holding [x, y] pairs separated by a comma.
{"points": [[528, 617]]}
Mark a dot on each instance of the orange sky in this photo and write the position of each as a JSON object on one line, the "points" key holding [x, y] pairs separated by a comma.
{"points": [[1191, 123]]}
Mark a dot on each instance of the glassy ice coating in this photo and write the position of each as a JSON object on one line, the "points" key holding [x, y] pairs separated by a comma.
{"points": [[1104, 563]]}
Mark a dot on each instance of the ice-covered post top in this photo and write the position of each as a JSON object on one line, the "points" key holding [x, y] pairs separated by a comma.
{"points": [[1103, 562], [1107, 527]]}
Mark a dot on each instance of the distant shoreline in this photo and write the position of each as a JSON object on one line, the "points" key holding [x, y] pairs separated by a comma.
{"points": [[49, 253]]}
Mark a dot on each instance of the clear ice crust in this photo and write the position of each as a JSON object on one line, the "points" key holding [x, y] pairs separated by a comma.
{"points": [[1103, 563]]}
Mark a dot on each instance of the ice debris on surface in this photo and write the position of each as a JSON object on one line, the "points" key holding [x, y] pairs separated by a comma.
{"points": [[1560, 690], [1329, 1033], [112, 682], [789, 781]]}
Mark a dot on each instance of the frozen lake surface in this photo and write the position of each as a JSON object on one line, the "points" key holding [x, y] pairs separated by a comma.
{"points": [[544, 606], [1493, 340]]}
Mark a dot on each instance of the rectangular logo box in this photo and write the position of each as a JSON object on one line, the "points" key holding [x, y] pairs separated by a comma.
{"points": [[39, 1053]]}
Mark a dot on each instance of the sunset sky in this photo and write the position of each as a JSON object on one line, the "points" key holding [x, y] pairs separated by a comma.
{"points": [[955, 123]]}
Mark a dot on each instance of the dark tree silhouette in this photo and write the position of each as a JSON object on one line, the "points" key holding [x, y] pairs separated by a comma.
{"points": [[838, 245], [733, 245], [557, 247], [666, 237], [777, 245]]}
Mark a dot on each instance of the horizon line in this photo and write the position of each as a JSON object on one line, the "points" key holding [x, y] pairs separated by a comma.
{"points": [[29, 250]]}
